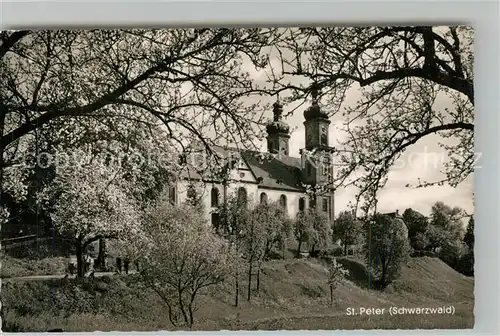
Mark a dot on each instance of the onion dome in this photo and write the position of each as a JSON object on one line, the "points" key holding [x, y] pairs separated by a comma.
{"points": [[277, 125], [314, 111]]}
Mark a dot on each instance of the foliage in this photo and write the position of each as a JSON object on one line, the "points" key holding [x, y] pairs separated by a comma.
{"points": [[312, 226], [348, 229], [91, 203], [449, 219], [469, 234], [387, 247], [417, 226], [184, 258], [66, 88], [336, 273], [401, 72], [302, 229], [276, 225], [321, 232]]}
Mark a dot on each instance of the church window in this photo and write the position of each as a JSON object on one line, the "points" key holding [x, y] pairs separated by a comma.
{"points": [[242, 197], [214, 195], [302, 204], [325, 204], [263, 198], [283, 202]]}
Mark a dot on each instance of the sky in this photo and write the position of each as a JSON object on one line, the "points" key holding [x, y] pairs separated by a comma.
{"points": [[422, 160]]}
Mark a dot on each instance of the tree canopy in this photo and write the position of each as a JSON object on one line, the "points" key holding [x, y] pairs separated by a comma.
{"points": [[402, 73]]}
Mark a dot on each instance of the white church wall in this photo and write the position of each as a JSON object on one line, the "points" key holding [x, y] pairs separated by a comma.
{"points": [[292, 199]]}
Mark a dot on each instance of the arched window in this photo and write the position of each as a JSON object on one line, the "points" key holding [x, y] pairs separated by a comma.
{"points": [[242, 196], [302, 204], [172, 194], [214, 196], [283, 202], [325, 204], [263, 198]]}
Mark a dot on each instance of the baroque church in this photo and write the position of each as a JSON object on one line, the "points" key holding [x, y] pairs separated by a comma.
{"points": [[272, 176]]}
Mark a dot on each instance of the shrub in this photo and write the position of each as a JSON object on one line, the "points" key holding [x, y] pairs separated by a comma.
{"points": [[387, 247]]}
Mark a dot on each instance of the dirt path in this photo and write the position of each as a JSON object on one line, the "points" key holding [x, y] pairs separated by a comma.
{"points": [[55, 276]]}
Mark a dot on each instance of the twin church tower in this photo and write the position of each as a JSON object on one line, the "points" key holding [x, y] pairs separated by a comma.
{"points": [[316, 169]]}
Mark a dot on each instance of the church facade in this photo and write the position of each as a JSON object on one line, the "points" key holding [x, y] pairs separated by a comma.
{"points": [[272, 176]]}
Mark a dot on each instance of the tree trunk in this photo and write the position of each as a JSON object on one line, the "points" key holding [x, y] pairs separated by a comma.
{"points": [[237, 290], [383, 276], [80, 262], [3, 113], [181, 306], [258, 279], [331, 296], [298, 249], [345, 249], [311, 252], [249, 289], [101, 257]]}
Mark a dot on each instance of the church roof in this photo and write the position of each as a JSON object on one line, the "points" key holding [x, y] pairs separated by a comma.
{"points": [[271, 171]]}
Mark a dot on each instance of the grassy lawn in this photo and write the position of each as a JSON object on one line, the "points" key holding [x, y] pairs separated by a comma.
{"points": [[14, 267], [293, 295]]}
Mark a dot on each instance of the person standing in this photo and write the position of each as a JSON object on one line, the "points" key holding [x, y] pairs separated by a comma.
{"points": [[119, 265], [126, 264]]}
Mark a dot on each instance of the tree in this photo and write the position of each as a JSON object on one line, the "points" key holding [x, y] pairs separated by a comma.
{"points": [[387, 247], [276, 225], [254, 241], [447, 224], [417, 225], [400, 72], [469, 234], [321, 231], [190, 80], [348, 229], [184, 258], [448, 218], [434, 237], [91, 205], [336, 273], [467, 259], [135, 157], [302, 229], [232, 218]]}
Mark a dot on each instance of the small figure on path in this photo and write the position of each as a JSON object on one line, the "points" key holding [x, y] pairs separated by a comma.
{"points": [[119, 264], [126, 263], [71, 268]]}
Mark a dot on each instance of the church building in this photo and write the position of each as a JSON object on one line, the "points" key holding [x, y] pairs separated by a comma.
{"points": [[272, 176]]}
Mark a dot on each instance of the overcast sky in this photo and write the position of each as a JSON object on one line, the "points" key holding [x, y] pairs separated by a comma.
{"points": [[422, 160]]}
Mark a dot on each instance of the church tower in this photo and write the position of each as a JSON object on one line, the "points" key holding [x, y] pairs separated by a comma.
{"points": [[317, 163], [278, 132], [317, 124]]}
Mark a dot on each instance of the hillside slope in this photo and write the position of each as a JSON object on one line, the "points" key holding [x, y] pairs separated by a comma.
{"points": [[293, 295]]}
